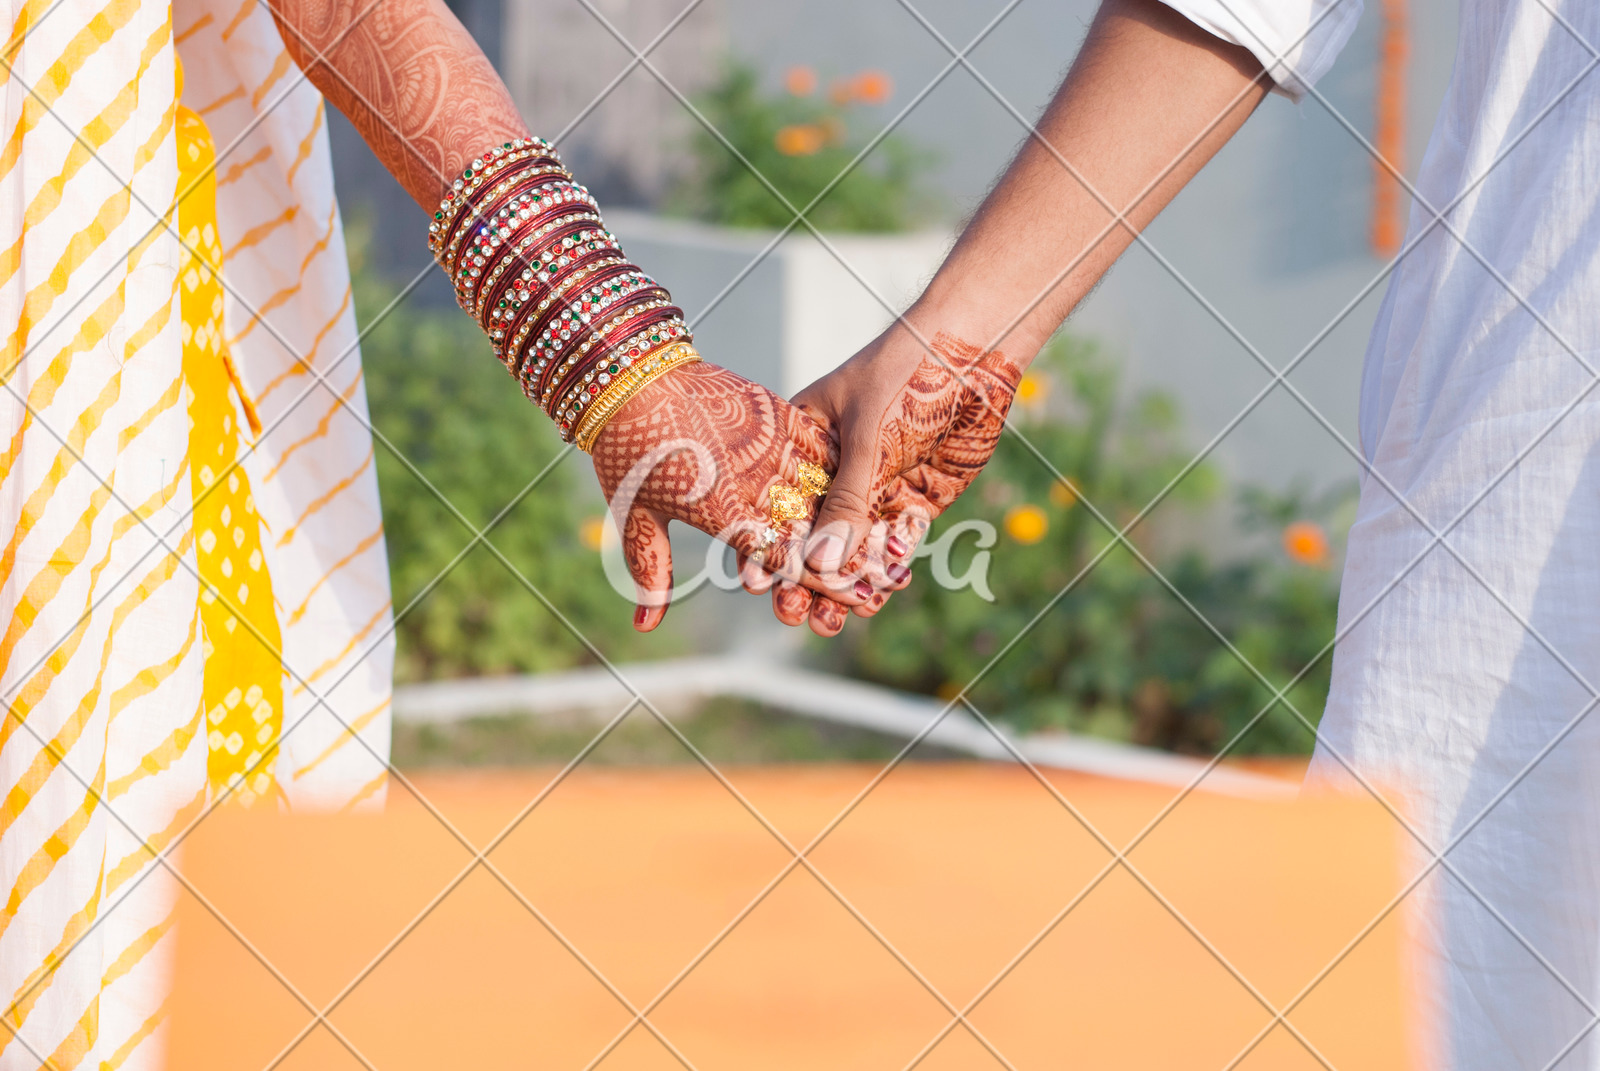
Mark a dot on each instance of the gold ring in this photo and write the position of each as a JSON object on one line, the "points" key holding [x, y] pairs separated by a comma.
{"points": [[813, 479], [788, 502]]}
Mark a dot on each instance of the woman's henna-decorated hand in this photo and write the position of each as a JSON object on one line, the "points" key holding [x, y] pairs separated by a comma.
{"points": [[913, 435], [425, 98], [704, 446]]}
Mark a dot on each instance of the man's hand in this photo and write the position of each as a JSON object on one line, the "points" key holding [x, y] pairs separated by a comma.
{"points": [[915, 425], [1148, 101]]}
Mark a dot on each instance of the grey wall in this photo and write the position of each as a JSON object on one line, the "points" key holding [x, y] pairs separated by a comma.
{"points": [[744, 331]]}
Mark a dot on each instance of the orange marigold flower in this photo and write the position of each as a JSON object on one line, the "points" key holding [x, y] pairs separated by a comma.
{"points": [[800, 80], [1027, 523], [873, 87], [1062, 495], [592, 532], [1305, 542], [801, 139]]}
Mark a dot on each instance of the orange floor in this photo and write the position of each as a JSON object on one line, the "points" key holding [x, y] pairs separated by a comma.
{"points": [[957, 867]]}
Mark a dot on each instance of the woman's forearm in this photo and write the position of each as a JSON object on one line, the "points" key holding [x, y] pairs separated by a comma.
{"points": [[409, 77], [1147, 86]]}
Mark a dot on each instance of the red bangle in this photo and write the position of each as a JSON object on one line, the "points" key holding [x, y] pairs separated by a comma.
{"points": [[554, 386], [574, 240], [565, 358], [645, 308], [531, 261], [560, 356], [446, 235], [516, 337], [520, 208], [468, 190], [604, 263], [548, 201], [652, 340]]}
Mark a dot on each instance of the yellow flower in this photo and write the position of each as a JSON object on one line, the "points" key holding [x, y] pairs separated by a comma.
{"points": [[1032, 389], [801, 139], [1305, 542], [1027, 524], [592, 532], [801, 81], [1062, 495]]}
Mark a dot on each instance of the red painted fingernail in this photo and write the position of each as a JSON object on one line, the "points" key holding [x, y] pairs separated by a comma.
{"points": [[641, 614], [863, 589], [897, 548], [897, 572]]}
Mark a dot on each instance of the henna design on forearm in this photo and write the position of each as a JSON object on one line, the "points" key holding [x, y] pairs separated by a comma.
{"points": [[410, 79]]}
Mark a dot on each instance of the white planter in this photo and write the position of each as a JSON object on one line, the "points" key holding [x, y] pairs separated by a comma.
{"points": [[787, 311]]}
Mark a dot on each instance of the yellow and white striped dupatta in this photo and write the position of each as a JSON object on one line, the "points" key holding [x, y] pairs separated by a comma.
{"points": [[121, 367]]}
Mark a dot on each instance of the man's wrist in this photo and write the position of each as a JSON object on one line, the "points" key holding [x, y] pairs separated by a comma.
{"points": [[915, 337]]}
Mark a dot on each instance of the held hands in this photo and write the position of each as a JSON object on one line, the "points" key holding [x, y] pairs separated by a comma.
{"points": [[906, 430], [704, 446], [914, 430]]}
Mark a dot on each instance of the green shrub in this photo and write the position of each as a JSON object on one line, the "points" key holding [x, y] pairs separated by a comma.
{"points": [[1118, 655], [437, 393], [800, 144]]}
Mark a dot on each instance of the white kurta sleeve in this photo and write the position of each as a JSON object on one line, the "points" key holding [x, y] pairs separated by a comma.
{"points": [[1295, 40]]}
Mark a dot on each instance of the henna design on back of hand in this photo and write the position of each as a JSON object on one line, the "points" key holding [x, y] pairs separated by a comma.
{"points": [[940, 431], [713, 444]]}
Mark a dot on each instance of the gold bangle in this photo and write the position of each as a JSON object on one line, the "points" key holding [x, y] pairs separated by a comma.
{"points": [[633, 379]]}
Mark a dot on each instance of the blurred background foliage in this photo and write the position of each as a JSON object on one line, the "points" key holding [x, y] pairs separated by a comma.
{"points": [[438, 395], [801, 139], [1118, 655]]}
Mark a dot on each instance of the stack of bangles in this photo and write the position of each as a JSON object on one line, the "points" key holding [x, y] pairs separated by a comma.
{"points": [[578, 326]]}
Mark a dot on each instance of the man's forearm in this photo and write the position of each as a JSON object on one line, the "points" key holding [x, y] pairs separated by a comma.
{"points": [[409, 77], [1149, 100]]}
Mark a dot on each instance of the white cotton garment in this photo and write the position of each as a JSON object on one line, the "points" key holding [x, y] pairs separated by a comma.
{"points": [[1466, 670], [1295, 40], [103, 748]]}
